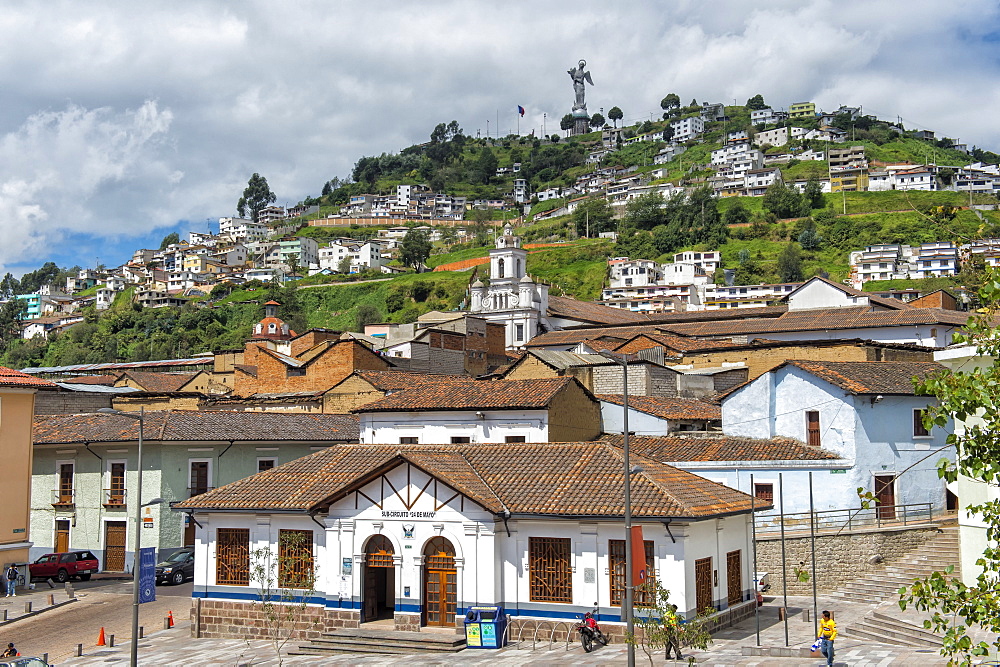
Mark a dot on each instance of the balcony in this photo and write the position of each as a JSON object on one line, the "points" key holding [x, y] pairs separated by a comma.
{"points": [[113, 498], [63, 498], [198, 490]]}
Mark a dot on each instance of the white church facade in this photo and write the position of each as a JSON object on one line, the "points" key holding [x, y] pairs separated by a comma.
{"points": [[418, 534]]}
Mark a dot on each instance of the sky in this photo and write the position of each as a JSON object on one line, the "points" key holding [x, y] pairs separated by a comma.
{"points": [[123, 122]]}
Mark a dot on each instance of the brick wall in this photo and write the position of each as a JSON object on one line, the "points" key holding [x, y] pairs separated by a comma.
{"points": [[326, 370], [312, 338], [70, 402], [574, 416], [839, 558]]}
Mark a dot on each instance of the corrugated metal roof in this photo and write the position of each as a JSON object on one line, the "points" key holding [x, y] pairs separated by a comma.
{"points": [[563, 360], [76, 368], [95, 388]]}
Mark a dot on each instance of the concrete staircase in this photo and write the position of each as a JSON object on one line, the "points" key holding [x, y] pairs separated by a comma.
{"points": [[886, 628], [384, 642], [934, 555]]}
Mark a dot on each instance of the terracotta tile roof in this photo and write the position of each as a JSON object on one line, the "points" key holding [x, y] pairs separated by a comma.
{"points": [[683, 343], [870, 377], [575, 336], [601, 344], [193, 425], [157, 382], [588, 311], [472, 395], [716, 315], [398, 380], [548, 479], [668, 408], [11, 378], [676, 449], [823, 319]]}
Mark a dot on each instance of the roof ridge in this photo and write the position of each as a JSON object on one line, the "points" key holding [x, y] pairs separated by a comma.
{"points": [[475, 472]]}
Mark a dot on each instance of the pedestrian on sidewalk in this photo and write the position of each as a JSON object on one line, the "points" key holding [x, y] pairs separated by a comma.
{"points": [[12, 575], [672, 623], [827, 633]]}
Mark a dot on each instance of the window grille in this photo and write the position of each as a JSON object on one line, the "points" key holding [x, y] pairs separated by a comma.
{"points": [[550, 572], [379, 552], [616, 566], [295, 558], [232, 556]]}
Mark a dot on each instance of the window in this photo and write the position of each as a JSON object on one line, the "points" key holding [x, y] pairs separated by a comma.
{"points": [[616, 566], [232, 556], [514, 438], [116, 483], [295, 558], [460, 440], [918, 424], [519, 332], [409, 440], [764, 492], [64, 493], [812, 428], [198, 477], [550, 576], [265, 464]]}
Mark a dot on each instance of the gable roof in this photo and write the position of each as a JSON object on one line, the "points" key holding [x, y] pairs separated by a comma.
{"points": [[679, 448], [588, 311], [891, 304], [548, 479], [157, 382], [194, 425], [471, 394], [11, 378], [870, 377], [398, 380], [668, 408]]}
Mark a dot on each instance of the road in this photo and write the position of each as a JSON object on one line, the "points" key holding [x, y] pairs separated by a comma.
{"points": [[106, 604]]}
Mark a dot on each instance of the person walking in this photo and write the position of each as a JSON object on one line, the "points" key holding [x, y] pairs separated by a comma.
{"points": [[12, 575], [827, 633], [672, 624]]}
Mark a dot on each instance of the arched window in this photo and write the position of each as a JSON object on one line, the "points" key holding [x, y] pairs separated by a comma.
{"points": [[378, 551], [500, 268], [439, 554], [518, 269], [271, 328]]}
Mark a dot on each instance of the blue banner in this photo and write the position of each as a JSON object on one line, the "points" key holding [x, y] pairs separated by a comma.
{"points": [[147, 574]]}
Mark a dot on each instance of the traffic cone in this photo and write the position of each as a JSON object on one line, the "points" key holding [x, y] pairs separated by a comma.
{"points": [[100, 639], [170, 617]]}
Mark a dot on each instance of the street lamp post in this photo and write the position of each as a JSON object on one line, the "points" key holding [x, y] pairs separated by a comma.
{"points": [[134, 659], [627, 610]]}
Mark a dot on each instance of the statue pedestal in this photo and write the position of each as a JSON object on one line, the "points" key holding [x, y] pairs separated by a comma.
{"points": [[581, 122]]}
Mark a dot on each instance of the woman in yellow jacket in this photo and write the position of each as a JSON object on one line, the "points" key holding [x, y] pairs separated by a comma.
{"points": [[827, 633]]}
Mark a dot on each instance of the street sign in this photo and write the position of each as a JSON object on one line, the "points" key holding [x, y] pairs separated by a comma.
{"points": [[147, 574]]}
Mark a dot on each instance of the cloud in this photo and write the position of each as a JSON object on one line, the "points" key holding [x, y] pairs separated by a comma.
{"points": [[119, 120]]}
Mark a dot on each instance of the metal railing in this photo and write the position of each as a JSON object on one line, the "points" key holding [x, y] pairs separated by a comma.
{"points": [[847, 519], [114, 497], [63, 496]]}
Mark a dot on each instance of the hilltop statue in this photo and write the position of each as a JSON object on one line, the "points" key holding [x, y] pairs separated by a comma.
{"points": [[579, 76]]}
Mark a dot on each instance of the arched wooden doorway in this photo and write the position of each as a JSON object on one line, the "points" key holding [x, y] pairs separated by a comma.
{"points": [[379, 600], [440, 583]]}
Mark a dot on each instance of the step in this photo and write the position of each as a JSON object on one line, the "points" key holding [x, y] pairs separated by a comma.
{"points": [[326, 642], [431, 637], [384, 642], [878, 617], [890, 632], [860, 633]]}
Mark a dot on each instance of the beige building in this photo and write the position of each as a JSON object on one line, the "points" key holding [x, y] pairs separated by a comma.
{"points": [[17, 411]]}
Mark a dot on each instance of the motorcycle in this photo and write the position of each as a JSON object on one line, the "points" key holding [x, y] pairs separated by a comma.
{"points": [[590, 631]]}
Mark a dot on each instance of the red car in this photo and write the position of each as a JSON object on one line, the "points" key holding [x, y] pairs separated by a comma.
{"points": [[62, 566]]}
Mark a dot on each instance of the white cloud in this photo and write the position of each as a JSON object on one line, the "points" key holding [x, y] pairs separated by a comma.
{"points": [[298, 91]]}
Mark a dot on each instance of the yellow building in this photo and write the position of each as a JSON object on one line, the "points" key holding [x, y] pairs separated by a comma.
{"points": [[850, 179], [17, 413], [802, 110]]}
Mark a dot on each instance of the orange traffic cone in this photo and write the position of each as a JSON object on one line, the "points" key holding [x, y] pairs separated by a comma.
{"points": [[100, 639], [170, 617]]}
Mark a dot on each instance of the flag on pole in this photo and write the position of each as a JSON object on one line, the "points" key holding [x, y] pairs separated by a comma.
{"points": [[520, 110]]}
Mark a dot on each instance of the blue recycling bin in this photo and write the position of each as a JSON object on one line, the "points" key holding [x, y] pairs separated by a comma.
{"points": [[485, 627]]}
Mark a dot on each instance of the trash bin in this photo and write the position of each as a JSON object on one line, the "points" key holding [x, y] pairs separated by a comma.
{"points": [[485, 627]]}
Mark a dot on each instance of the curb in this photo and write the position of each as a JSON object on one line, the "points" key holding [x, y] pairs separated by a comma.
{"points": [[36, 612]]}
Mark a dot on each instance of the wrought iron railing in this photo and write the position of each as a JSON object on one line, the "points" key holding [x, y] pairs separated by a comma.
{"points": [[846, 519]]}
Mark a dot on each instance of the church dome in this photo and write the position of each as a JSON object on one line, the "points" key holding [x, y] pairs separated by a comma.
{"points": [[478, 284], [527, 279]]}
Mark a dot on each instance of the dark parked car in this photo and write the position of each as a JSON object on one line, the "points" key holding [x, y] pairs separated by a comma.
{"points": [[177, 569], [62, 566]]}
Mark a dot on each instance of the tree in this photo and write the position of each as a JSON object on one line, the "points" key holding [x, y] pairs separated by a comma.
{"points": [[671, 101], [169, 240], [737, 214], [486, 165], [11, 314], [597, 120], [809, 238], [367, 314], [415, 248], [790, 263], [344, 265], [814, 193], [659, 623], [756, 102], [256, 198], [783, 201], [646, 211], [970, 395], [615, 114], [285, 582], [9, 286], [593, 217]]}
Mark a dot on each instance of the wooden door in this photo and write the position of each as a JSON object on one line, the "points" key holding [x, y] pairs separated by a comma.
{"points": [[734, 577], [812, 428], [440, 583], [66, 484], [62, 535], [189, 533], [114, 546], [885, 494], [703, 583], [378, 579], [116, 489]]}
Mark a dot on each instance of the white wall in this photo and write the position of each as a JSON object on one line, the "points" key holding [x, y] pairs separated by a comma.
{"points": [[441, 427]]}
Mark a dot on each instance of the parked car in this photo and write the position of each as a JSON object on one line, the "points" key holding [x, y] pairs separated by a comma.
{"points": [[176, 569], [23, 662], [62, 566]]}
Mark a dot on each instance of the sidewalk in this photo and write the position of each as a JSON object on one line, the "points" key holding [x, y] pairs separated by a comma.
{"points": [[15, 608]]}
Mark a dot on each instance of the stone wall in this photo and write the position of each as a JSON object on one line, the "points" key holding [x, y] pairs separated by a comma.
{"points": [[839, 558], [245, 620], [70, 402]]}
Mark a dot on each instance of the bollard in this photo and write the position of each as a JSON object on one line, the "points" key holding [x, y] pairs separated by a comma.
{"points": [[70, 591], [166, 623], [52, 599], [79, 650], [27, 607], [45, 658], [49, 582], [805, 615], [4, 614], [781, 613], [111, 641], [142, 632]]}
